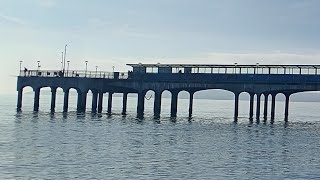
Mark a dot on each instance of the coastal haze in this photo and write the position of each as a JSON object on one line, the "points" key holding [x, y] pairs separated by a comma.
{"points": [[109, 35]]}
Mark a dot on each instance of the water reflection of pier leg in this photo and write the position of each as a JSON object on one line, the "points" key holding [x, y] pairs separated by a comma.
{"points": [[53, 99], [66, 100], [174, 103], [124, 103], [109, 102], [191, 103], [157, 103], [19, 103], [36, 99], [100, 102], [251, 105]]}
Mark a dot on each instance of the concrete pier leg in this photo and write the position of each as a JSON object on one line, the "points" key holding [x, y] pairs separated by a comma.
{"points": [[140, 106], [251, 105], [66, 100], [100, 102], [124, 103], [236, 105], [286, 112], [36, 100], [53, 99], [273, 106], [265, 107], [109, 102], [157, 104], [94, 102], [258, 106], [174, 104], [191, 104], [19, 101], [82, 101]]}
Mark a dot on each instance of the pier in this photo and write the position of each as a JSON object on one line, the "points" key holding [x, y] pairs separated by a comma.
{"points": [[259, 81]]}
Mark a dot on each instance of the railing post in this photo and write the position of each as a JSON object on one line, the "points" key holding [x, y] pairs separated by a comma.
{"points": [[53, 98]]}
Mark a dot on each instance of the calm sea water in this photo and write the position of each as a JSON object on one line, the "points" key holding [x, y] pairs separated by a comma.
{"points": [[209, 146]]}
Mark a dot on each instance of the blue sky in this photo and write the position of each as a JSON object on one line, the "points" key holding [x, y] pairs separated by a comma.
{"points": [[115, 32]]}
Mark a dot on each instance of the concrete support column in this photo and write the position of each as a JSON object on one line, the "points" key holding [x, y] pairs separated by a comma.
{"points": [[140, 106], [124, 103], [286, 112], [258, 106], [66, 100], [273, 105], [157, 103], [174, 103], [82, 101], [53, 98], [100, 102], [94, 101], [36, 99], [19, 101], [191, 104], [265, 107], [236, 105], [251, 105], [109, 102]]}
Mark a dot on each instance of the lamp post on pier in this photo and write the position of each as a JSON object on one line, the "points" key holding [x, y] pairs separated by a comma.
{"points": [[96, 71], [68, 62], [38, 65], [85, 74]]}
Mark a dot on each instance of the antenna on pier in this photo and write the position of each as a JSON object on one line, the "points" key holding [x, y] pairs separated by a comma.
{"points": [[64, 58]]}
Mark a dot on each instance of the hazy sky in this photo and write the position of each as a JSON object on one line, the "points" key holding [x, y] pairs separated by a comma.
{"points": [[115, 32]]}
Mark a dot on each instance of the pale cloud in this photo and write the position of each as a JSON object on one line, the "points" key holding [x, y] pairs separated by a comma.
{"points": [[47, 3], [12, 19]]}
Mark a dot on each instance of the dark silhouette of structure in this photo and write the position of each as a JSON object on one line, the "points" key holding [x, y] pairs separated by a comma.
{"points": [[257, 80]]}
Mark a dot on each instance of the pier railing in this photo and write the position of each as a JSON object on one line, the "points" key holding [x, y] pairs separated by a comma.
{"points": [[71, 73]]}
